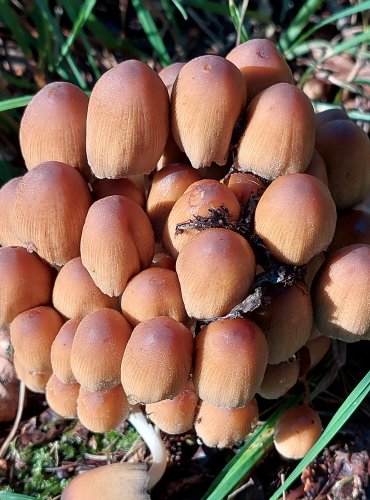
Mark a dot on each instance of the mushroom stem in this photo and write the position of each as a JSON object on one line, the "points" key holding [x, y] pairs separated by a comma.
{"points": [[152, 438]]}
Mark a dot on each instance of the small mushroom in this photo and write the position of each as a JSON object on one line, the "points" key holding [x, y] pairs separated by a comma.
{"points": [[62, 397], [61, 349], [124, 187], [279, 379], [7, 195]]}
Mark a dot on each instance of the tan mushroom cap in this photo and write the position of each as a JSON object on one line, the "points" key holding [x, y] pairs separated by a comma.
{"points": [[61, 397], [61, 351], [123, 187], [330, 115], [104, 410], [279, 379], [61, 138], [50, 192], [127, 121], [157, 360], [97, 349], [296, 218], [7, 195], [160, 295], [75, 293], [342, 295], [163, 260], [281, 123], [35, 382], [169, 74], [130, 478], [25, 282], [244, 186], [230, 361], [317, 168], [261, 65], [206, 101], [297, 431], [32, 334], [117, 242], [215, 269], [318, 347], [225, 427], [175, 416]]}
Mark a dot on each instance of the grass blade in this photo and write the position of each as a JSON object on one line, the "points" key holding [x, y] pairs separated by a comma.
{"points": [[238, 22], [181, 9], [15, 102], [290, 52], [11, 21], [151, 31], [14, 496], [352, 402]]}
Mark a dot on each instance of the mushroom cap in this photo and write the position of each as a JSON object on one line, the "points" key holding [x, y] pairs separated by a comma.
{"points": [[97, 349], [225, 427], [353, 227], [117, 241], [206, 101], [124, 187], [279, 379], [32, 333], [127, 121], [317, 348], [75, 293], [317, 168], [26, 282], [157, 360], [330, 115], [160, 295], [175, 416], [296, 218], [61, 397], [61, 349], [261, 65], [244, 185], [7, 195], [281, 123], [297, 431], [104, 410], [64, 137], [216, 269], [130, 478], [50, 207], [169, 74], [35, 382], [341, 295], [230, 361]]}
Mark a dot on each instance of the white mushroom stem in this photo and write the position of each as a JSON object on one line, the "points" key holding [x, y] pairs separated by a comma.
{"points": [[153, 440]]}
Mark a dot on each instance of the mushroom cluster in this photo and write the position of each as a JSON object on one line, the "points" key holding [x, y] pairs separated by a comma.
{"points": [[168, 245]]}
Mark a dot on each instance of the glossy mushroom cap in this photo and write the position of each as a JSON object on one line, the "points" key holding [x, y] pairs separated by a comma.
{"points": [[230, 361], [157, 360], [117, 242], [225, 427], [25, 282], [53, 127], [281, 123], [261, 65], [206, 101], [215, 269], [49, 210], [296, 218], [97, 349], [342, 295], [75, 293], [297, 431], [127, 121], [130, 478]]}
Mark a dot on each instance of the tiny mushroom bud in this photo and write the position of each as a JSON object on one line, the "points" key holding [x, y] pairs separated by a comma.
{"points": [[127, 121], [207, 99], [61, 352], [225, 427], [297, 431], [157, 360], [61, 397]]}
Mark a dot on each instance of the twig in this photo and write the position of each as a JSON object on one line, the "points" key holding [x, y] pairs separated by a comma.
{"points": [[13, 430]]}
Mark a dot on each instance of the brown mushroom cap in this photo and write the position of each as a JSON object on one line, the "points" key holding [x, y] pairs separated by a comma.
{"points": [[175, 416], [124, 187], [130, 478], [279, 379], [215, 270], [25, 282], [50, 192], [261, 65], [157, 360], [296, 218], [75, 293], [164, 261], [169, 74], [206, 101], [35, 382], [297, 431], [104, 410], [117, 241], [330, 115], [7, 195], [127, 121], [97, 349], [32, 334], [317, 348], [61, 138], [61, 397], [230, 361], [317, 168], [341, 295], [352, 227], [61, 352], [225, 427], [160, 295], [244, 185], [281, 123]]}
